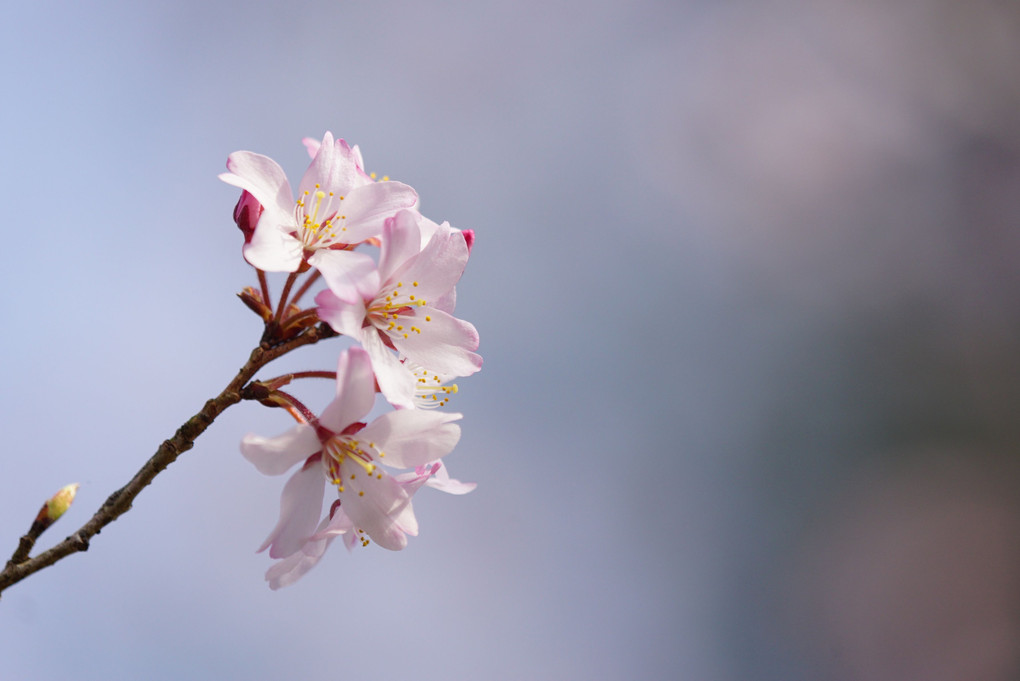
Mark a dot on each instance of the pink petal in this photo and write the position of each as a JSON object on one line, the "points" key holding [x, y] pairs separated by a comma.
{"points": [[396, 382], [413, 437], [332, 169], [300, 506], [275, 455], [439, 266], [355, 391], [272, 247], [368, 206], [311, 145], [344, 316], [262, 177], [442, 481], [445, 344], [293, 567], [401, 241], [349, 275], [381, 511]]}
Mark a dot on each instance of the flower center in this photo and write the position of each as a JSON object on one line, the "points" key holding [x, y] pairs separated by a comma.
{"points": [[429, 389], [341, 448], [393, 310], [321, 218]]}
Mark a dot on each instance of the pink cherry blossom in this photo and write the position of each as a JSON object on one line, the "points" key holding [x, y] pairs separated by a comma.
{"points": [[337, 207], [405, 305], [288, 570], [347, 453], [312, 145]]}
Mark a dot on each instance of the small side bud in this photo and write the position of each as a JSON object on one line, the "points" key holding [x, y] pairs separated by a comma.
{"points": [[51, 511], [253, 300], [55, 507]]}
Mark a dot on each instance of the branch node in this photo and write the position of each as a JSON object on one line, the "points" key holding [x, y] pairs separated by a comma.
{"points": [[79, 542]]}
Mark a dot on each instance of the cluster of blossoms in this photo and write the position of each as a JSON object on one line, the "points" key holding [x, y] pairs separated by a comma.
{"points": [[399, 310]]}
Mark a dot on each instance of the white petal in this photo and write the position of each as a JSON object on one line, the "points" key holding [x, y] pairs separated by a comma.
{"points": [[442, 481], [272, 247], [368, 206], [275, 455], [293, 567], [344, 316], [445, 344], [382, 509], [439, 266], [412, 437], [262, 177], [311, 146], [349, 275], [396, 382], [300, 507], [401, 241], [355, 391]]}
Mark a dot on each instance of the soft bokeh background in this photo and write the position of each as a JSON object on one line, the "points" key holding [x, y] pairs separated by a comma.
{"points": [[747, 284]]}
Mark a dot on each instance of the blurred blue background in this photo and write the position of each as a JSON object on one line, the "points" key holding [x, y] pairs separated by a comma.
{"points": [[746, 280]]}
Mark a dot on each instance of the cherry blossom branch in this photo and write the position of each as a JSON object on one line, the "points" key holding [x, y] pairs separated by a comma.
{"points": [[118, 503]]}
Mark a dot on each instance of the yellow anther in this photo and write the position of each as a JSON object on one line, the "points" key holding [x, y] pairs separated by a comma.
{"points": [[361, 494], [427, 318]]}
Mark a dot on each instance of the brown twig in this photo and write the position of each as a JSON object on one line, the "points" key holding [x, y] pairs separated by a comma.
{"points": [[120, 501]]}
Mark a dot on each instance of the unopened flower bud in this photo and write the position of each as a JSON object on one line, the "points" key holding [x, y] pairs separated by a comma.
{"points": [[55, 507], [246, 214]]}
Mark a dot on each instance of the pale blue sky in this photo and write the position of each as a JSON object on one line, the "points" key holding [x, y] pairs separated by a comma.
{"points": [[733, 262]]}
